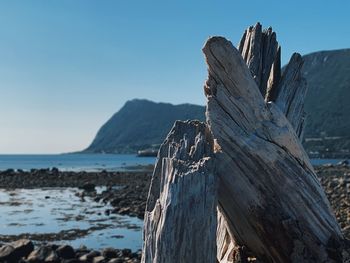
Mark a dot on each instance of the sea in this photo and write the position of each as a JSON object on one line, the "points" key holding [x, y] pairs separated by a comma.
{"points": [[74, 162], [89, 162]]}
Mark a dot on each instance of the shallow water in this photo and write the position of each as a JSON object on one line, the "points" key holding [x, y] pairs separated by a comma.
{"points": [[51, 210], [325, 161]]}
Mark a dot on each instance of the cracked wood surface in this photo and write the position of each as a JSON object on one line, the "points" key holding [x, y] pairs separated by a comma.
{"points": [[262, 54], [268, 191], [288, 94], [180, 218]]}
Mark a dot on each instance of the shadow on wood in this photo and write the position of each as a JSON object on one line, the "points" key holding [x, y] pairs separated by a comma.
{"points": [[180, 218], [248, 161]]}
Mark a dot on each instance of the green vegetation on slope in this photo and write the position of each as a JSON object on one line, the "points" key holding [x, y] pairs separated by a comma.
{"points": [[140, 124], [328, 99], [327, 130]]}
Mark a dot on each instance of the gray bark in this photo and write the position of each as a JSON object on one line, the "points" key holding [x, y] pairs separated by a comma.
{"points": [[268, 191], [180, 218], [288, 93], [259, 50], [262, 54]]}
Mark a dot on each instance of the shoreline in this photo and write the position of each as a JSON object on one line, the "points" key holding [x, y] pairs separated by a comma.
{"points": [[127, 191], [39, 178], [25, 251]]}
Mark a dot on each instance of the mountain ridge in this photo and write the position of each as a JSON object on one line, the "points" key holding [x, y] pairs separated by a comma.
{"points": [[141, 123]]}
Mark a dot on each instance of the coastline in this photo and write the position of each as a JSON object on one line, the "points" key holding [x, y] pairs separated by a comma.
{"points": [[124, 193], [127, 193]]}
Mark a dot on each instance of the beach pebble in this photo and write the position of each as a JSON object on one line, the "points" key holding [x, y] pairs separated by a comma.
{"points": [[41, 254], [109, 253], [65, 252], [98, 259], [16, 250]]}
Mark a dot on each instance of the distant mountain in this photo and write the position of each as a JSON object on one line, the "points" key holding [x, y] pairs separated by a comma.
{"points": [[328, 98], [139, 124], [327, 130], [142, 123]]}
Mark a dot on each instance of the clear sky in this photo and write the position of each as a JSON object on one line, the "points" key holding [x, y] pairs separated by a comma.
{"points": [[66, 66]]}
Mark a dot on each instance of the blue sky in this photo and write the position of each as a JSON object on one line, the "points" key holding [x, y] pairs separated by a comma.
{"points": [[66, 66]]}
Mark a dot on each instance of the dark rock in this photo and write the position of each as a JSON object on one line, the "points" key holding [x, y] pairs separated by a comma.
{"points": [[118, 236], [126, 252], [65, 252], [16, 250], [116, 201], [6, 252], [23, 247], [72, 260], [89, 256], [88, 187], [99, 259], [81, 251], [54, 170], [124, 210], [42, 254], [116, 260], [109, 253]]}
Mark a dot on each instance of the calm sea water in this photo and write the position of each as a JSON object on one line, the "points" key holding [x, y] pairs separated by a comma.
{"points": [[90, 162], [74, 162]]}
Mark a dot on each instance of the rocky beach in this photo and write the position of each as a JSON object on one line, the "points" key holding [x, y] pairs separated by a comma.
{"points": [[117, 193], [123, 193]]}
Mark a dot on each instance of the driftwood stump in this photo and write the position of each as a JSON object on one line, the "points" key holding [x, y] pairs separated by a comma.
{"points": [[262, 54], [268, 190], [248, 162]]}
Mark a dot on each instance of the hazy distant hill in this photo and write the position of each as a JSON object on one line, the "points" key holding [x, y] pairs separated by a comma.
{"points": [[328, 101], [141, 123], [328, 98]]}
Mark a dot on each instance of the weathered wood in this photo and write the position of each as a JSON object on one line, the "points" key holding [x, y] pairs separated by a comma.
{"points": [[227, 250], [292, 83], [259, 50], [262, 54], [180, 219], [269, 193], [225, 243], [275, 78], [290, 94]]}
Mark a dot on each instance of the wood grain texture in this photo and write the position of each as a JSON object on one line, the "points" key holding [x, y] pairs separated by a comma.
{"points": [[288, 95], [180, 219], [262, 54], [259, 50], [227, 250], [268, 190]]}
